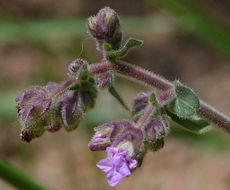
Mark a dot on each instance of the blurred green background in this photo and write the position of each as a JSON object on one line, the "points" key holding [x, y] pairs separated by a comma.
{"points": [[186, 40]]}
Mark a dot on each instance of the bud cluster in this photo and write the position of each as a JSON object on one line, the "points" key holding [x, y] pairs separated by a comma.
{"points": [[126, 142], [53, 106], [123, 143]]}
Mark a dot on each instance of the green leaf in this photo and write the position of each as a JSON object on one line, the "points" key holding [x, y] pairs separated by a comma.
{"points": [[129, 44], [115, 94], [194, 124], [186, 102]]}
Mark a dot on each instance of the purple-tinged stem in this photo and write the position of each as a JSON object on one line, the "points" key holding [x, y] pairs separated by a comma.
{"points": [[142, 75], [134, 72], [205, 111], [98, 68], [147, 113], [61, 87], [214, 116]]}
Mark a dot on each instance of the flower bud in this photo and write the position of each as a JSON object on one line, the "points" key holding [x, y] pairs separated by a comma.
{"points": [[69, 108], [105, 27], [78, 69], [103, 80], [106, 134], [155, 132], [33, 106], [138, 105], [131, 140], [157, 129]]}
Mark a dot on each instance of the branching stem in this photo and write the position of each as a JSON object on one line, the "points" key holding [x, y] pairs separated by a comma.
{"points": [[141, 75], [145, 117]]}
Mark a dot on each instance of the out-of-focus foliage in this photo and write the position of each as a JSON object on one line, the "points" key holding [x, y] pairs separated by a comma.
{"points": [[192, 18]]}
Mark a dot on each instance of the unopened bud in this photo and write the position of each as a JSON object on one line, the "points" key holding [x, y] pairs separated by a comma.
{"points": [[131, 140], [105, 27], [138, 105], [78, 68], [103, 80], [106, 134], [155, 133], [33, 106], [70, 109]]}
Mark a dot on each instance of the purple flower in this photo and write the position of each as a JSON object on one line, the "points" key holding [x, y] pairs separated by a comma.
{"points": [[106, 134], [125, 147], [116, 165]]}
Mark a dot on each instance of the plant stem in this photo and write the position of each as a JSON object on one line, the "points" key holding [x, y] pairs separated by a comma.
{"points": [[148, 111], [141, 75], [16, 178], [98, 68], [214, 116], [61, 87]]}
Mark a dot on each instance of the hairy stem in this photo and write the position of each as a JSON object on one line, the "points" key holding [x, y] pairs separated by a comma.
{"points": [[205, 111], [61, 87], [16, 178], [98, 68], [214, 116], [148, 112], [141, 75]]}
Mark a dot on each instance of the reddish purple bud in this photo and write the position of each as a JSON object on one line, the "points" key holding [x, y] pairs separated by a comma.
{"points": [[106, 134], [105, 27], [103, 80], [77, 67], [70, 109], [138, 105], [156, 129], [131, 139], [33, 105]]}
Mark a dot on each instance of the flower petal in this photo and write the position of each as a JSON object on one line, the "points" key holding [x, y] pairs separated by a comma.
{"points": [[105, 165]]}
